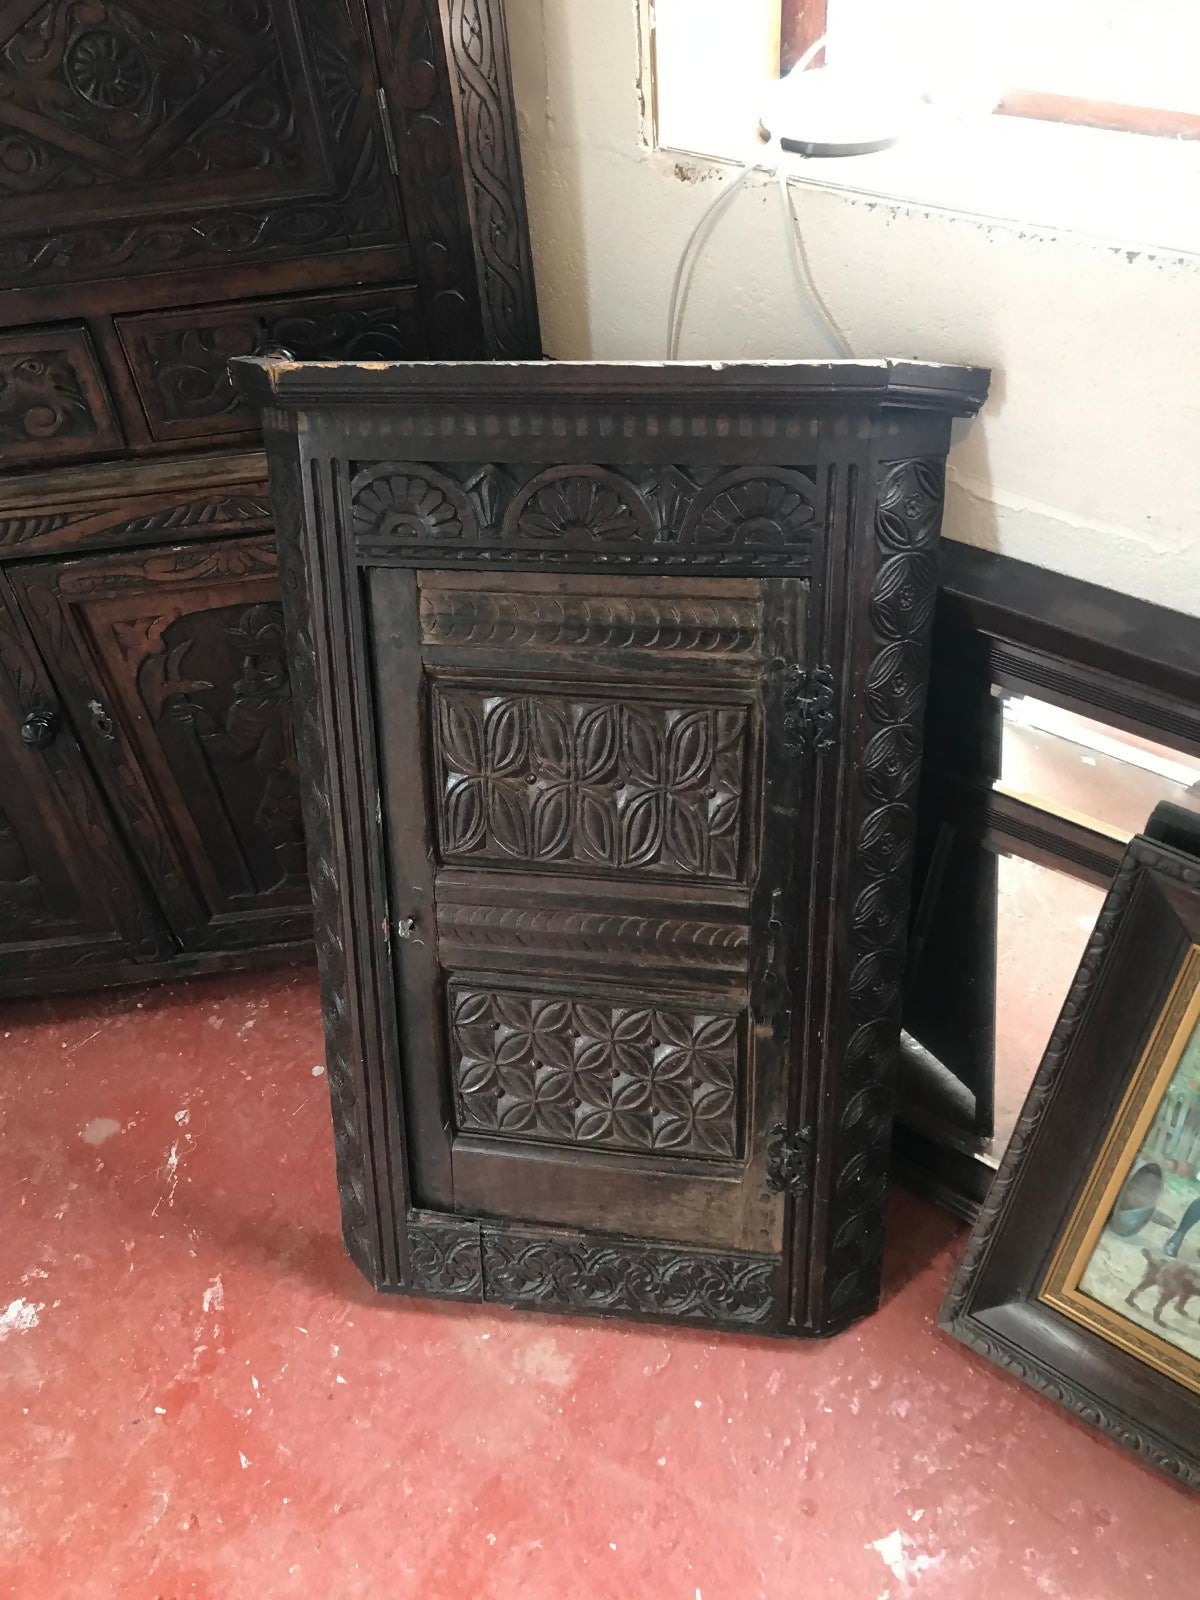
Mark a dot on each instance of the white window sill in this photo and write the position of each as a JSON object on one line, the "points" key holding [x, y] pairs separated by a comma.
{"points": [[1129, 191]]}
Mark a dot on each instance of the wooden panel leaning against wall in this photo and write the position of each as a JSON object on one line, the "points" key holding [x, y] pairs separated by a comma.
{"points": [[179, 185], [1060, 715]]}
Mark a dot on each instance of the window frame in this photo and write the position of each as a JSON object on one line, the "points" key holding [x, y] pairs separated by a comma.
{"points": [[803, 22]]}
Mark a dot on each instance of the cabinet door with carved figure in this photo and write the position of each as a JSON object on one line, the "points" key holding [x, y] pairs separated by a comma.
{"points": [[172, 662], [592, 819], [69, 899]]}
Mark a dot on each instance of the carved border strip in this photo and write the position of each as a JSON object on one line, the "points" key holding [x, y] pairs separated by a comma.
{"points": [[621, 1276], [320, 830], [885, 764], [955, 1316], [203, 516], [445, 1256], [466, 929], [477, 46], [660, 515]]}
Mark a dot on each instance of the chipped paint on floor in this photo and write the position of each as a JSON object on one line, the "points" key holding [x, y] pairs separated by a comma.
{"points": [[203, 1400]]}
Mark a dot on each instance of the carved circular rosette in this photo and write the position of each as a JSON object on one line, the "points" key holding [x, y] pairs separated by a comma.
{"points": [[909, 505], [410, 502], [772, 507], [107, 69], [579, 504]]}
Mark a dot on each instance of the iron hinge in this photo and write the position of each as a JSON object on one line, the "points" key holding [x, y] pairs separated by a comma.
{"points": [[789, 1159], [389, 137], [808, 722]]}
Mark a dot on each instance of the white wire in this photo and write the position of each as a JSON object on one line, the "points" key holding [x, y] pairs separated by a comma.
{"points": [[690, 257], [693, 249], [806, 284]]}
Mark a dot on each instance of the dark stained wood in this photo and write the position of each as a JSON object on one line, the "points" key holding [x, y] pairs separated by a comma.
{"points": [[1150, 921], [171, 664], [1103, 654], [609, 775], [181, 184], [801, 24], [69, 899], [1109, 114], [53, 399]]}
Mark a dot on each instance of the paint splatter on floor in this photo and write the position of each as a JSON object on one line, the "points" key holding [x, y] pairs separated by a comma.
{"points": [[201, 1400]]}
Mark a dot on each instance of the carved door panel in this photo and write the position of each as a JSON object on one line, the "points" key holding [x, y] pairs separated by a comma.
{"points": [[149, 135], [68, 893], [173, 665], [592, 816]]}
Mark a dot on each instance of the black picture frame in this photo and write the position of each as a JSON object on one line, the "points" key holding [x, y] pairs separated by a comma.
{"points": [[1145, 945]]}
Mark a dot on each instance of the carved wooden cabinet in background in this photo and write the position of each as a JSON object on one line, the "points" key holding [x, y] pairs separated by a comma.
{"points": [[182, 183], [609, 774]]}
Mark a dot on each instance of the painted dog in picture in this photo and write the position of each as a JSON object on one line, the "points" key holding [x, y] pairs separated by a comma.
{"points": [[1174, 1280]]}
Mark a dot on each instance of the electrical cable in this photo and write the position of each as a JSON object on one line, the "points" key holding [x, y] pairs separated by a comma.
{"points": [[801, 268], [698, 238], [805, 282]]}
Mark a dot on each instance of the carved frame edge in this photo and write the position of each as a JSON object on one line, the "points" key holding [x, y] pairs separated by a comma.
{"points": [[956, 1316]]}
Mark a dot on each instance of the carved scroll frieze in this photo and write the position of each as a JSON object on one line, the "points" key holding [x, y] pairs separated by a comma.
{"points": [[668, 516], [623, 1277]]}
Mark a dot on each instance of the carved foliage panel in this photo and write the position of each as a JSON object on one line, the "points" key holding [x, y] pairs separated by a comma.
{"points": [[197, 104], [751, 516], [214, 683], [180, 359], [53, 400], [596, 1072], [572, 780]]}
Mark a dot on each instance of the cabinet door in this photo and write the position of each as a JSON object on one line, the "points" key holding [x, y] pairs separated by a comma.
{"points": [[592, 816], [173, 665], [68, 894], [141, 138]]}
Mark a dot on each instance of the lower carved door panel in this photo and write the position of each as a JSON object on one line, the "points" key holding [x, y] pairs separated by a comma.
{"points": [[592, 820], [172, 666], [68, 895]]}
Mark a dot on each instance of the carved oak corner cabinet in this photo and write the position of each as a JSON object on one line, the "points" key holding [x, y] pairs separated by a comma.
{"points": [[182, 181], [608, 774]]}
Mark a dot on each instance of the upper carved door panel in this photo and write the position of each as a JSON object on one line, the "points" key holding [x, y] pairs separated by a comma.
{"points": [[589, 882], [148, 135], [173, 665]]}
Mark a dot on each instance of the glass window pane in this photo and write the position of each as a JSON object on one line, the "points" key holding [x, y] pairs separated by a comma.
{"points": [[1043, 922], [1089, 771]]}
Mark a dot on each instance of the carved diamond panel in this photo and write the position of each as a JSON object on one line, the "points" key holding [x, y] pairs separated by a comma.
{"points": [[571, 780], [594, 1072], [239, 128]]}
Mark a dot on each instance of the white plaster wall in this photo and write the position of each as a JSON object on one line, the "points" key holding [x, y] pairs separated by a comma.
{"points": [[1087, 456]]}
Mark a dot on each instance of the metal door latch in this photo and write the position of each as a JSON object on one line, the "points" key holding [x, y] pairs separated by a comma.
{"points": [[808, 722], [789, 1159]]}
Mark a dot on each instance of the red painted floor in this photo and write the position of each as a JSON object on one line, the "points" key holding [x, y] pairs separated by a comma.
{"points": [[200, 1398]]}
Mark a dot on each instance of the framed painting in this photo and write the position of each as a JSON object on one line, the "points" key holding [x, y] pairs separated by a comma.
{"points": [[1082, 1274]]}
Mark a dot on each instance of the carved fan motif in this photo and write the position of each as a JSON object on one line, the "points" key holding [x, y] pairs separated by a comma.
{"points": [[408, 504], [592, 507], [750, 511]]}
